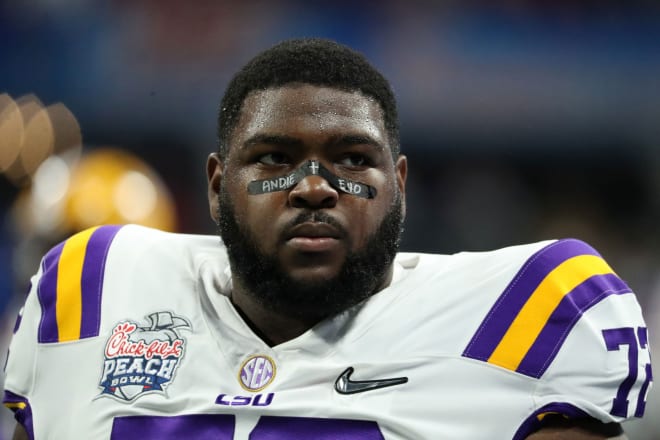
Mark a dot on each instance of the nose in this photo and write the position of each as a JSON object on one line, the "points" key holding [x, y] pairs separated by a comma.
{"points": [[313, 192]]}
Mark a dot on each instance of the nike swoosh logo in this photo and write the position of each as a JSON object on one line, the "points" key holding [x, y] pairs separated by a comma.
{"points": [[344, 384]]}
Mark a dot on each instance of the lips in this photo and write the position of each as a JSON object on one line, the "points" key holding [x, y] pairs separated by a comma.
{"points": [[313, 230], [313, 237]]}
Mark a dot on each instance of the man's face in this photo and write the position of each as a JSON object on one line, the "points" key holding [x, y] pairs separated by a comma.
{"points": [[311, 246]]}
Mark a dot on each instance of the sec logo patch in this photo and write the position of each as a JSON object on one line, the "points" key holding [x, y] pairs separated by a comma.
{"points": [[257, 373]]}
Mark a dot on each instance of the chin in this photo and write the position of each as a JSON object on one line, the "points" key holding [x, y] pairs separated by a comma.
{"points": [[313, 277]]}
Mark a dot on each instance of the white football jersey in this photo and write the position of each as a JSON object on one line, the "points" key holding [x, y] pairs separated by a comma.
{"points": [[129, 333]]}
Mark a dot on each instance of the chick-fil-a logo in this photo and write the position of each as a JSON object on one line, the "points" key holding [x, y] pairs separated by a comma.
{"points": [[120, 345]]}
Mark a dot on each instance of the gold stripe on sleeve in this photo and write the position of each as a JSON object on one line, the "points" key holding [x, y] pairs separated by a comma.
{"points": [[534, 315], [69, 289]]}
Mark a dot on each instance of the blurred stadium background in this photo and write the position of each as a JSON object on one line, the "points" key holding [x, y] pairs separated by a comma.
{"points": [[523, 120]]}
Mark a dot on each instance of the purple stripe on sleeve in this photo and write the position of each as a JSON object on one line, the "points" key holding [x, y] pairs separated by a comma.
{"points": [[564, 317], [22, 416], [17, 323], [96, 254], [533, 424], [516, 294], [194, 426], [47, 294]]}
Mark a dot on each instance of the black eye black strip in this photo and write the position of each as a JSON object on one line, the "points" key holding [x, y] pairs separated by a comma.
{"points": [[309, 168]]}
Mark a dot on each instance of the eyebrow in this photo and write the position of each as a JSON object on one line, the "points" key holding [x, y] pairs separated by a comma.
{"points": [[272, 139], [289, 141], [357, 139]]}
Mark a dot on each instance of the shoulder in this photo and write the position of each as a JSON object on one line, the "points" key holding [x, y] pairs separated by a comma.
{"points": [[520, 300], [94, 247], [100, 241], [510, 258], [566, 319], [124, 260], [552, 288]]}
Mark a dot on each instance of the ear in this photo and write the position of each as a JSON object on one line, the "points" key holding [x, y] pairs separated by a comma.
{"points": [[401, 175], [214, 170]]}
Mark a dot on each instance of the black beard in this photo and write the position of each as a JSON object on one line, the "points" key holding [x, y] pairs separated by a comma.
{"points": [[361, 275]]}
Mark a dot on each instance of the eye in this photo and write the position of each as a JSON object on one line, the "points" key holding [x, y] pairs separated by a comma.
{"points": [[355, 160], [272, 159]]}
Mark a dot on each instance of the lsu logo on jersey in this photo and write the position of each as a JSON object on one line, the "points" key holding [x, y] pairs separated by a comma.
{"points": [[142, 359]]}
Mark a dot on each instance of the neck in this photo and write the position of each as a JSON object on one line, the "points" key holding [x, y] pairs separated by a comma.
{"points": [[274, 327]]}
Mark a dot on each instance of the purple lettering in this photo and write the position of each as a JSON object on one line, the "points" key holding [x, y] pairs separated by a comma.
{"points": [[257, 399], [220, 400], [241, 400]]}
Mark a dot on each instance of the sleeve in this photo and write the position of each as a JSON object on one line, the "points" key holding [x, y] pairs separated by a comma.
{"points": [[568, 321], [603, 367], [63, 305], [22, 359]]}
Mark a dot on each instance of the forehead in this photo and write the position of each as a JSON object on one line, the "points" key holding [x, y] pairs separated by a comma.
{"points": [[309, 110]]}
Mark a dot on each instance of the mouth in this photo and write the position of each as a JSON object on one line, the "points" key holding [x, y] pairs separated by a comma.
{"points": [[313, 237]]}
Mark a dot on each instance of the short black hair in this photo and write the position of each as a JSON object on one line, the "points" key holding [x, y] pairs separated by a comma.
{"points": [[314, 61]]}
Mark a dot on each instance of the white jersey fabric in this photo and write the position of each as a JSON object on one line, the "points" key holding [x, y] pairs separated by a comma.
{"points": [[129, 333]]}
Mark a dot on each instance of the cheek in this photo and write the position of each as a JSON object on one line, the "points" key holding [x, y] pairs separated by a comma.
{"points": [[365, 220], [362, 226], [367, 215], [262, 214], [260, 210]]}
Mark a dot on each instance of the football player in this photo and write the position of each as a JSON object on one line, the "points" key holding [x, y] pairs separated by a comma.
{"points": [[303, 321]]}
